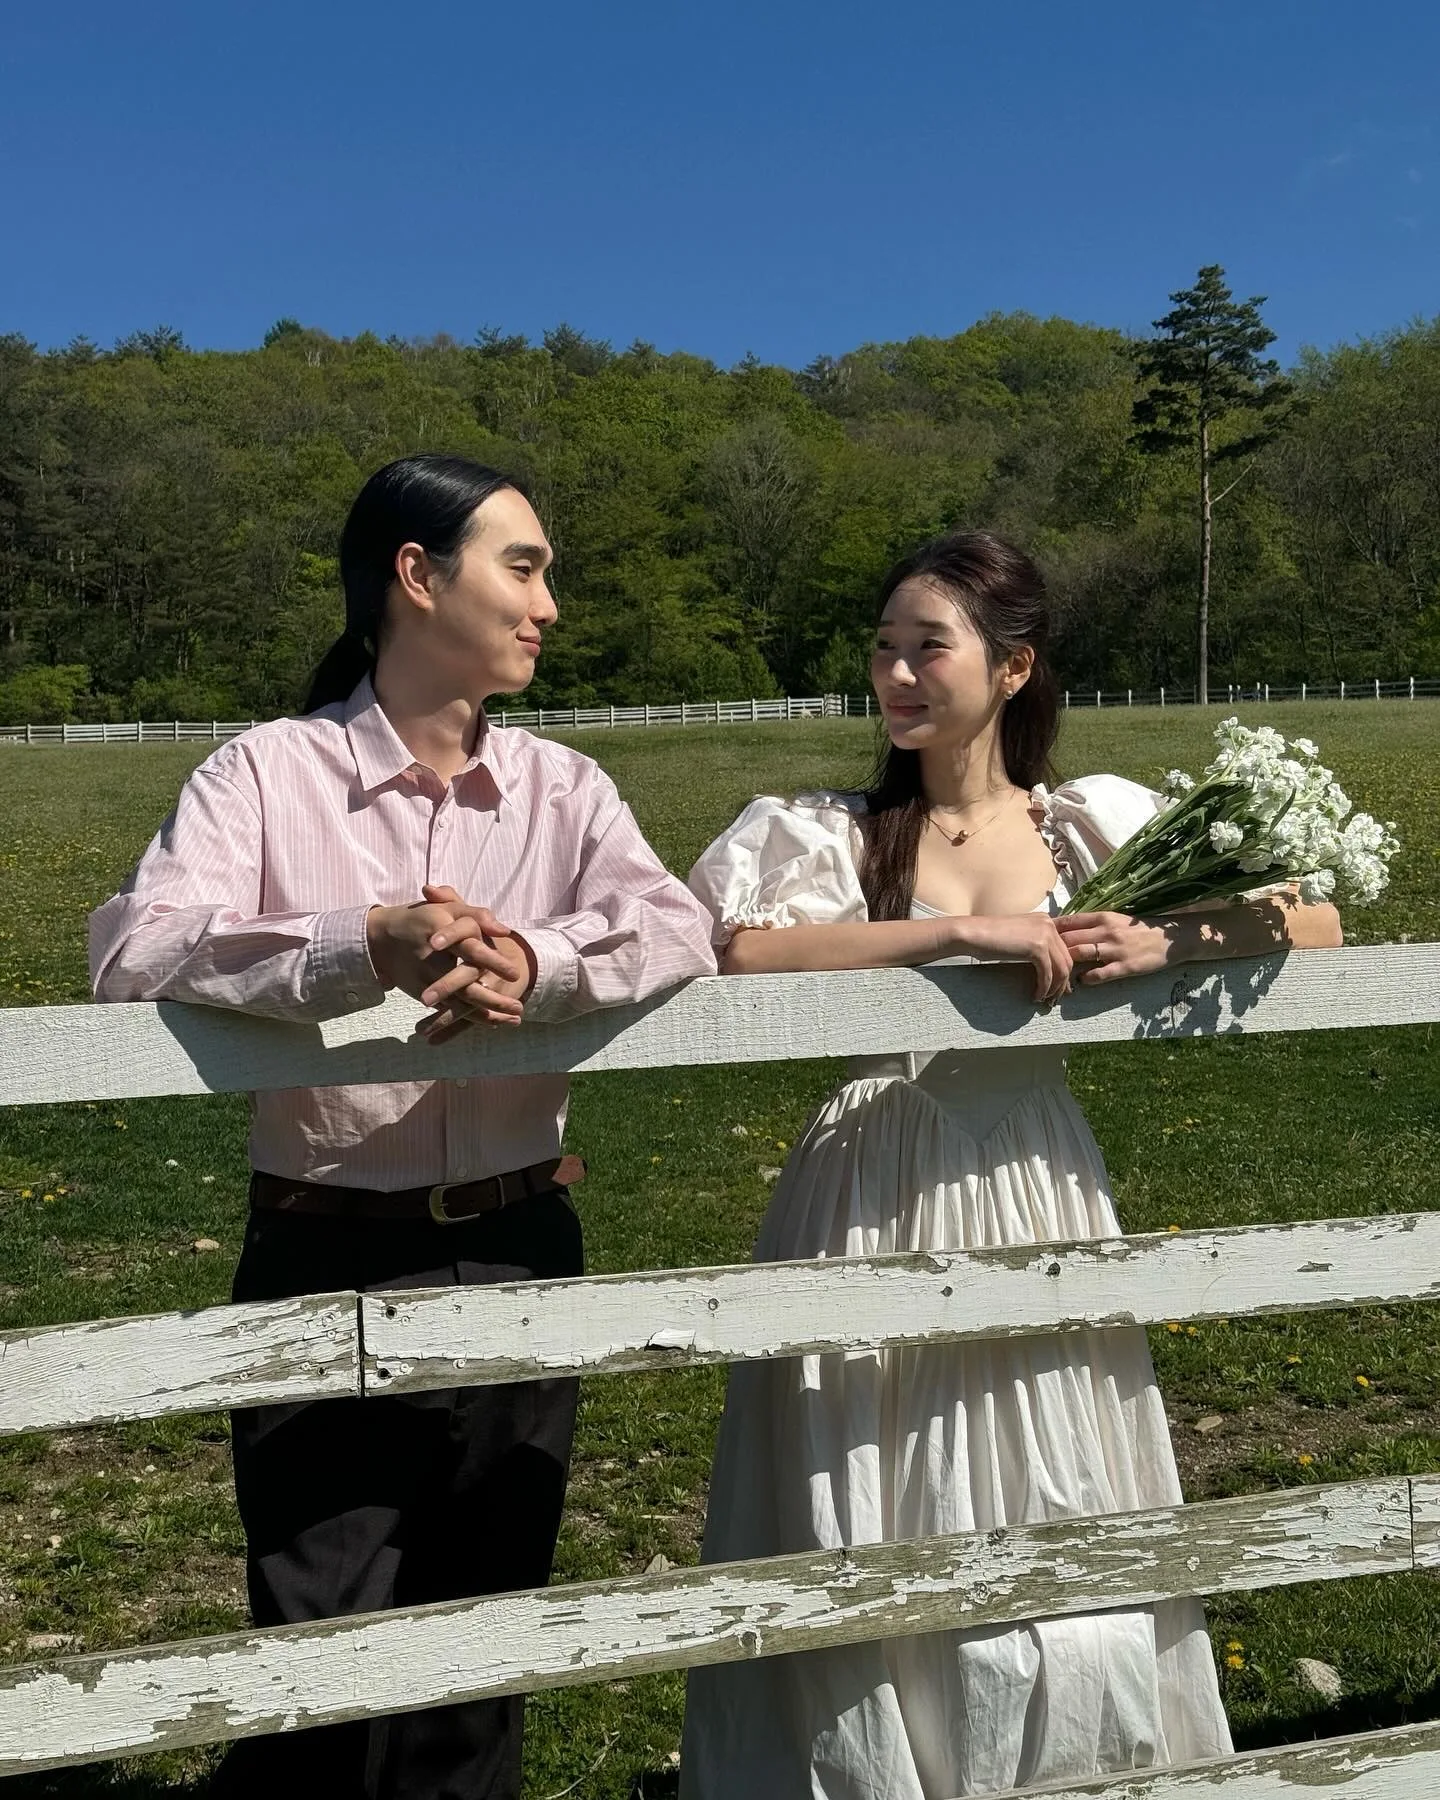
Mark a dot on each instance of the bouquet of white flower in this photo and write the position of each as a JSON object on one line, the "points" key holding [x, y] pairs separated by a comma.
{"points": [[1264, 814]]}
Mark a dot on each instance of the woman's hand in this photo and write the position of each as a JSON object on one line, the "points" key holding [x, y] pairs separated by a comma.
{"points": [[1108, 946], [1021, 937]]}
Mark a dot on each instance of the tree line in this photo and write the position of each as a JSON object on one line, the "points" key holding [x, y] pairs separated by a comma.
{"points": [[169, 516]]}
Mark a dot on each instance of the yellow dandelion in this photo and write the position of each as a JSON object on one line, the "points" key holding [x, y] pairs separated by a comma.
{"points": [[1290, 1361], [1234, 1662], [1362, 1381], [1172, 1326], [47, 1198], [1172, 1227], [1192, 1331], [1305, 1459], [1234, 1645], [780, 1144], [26, 1193], [655, 1159]]}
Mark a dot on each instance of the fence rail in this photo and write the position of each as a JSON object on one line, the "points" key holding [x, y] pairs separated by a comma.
{"points": [[722, 712], [249, 1683], [164, 1696]]}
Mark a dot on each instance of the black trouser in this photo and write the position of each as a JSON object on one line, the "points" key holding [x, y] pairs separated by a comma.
{"points": [[355, 1505]]}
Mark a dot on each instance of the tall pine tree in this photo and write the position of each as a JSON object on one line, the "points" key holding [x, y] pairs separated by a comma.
{"points": [[1205, 368]]}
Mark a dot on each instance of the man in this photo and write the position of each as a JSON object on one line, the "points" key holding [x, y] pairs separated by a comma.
{"points": [[391, 838]]}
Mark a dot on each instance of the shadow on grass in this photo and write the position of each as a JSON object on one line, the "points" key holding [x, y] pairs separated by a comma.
{"points": [[81, 1784], [1362, 1712], [655, 1784], [144, 1780]]}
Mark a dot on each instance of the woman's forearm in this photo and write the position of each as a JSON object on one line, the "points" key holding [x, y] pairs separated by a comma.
{"points": [[883, 944], [1254, 927]]}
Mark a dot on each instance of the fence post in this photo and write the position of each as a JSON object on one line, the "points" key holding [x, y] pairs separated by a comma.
{"points": [[1067, 699], [64, 733], [612, 716], [647, 712], [1412, 687], [1342, 690], [1129, 696], [174, 731], [789, 706], [1377, 687], [1302, 690], [1162, 696], [1267, 693], [1097, 699], [29, 729]]}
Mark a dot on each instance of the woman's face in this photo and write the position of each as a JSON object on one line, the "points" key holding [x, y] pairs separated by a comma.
{"points": [[930, 671], [490, 616]]}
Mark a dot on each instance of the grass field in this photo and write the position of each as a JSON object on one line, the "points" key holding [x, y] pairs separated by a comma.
{"points": [[116, 1536]]}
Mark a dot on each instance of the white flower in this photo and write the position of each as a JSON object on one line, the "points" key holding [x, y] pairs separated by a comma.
{"points": [[1178, 782], [1255, 860], [1225, 836], [1305, 747], [1317, 886]]}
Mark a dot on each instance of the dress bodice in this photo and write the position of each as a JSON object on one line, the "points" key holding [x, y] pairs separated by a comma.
{"points": [[796, 862]]}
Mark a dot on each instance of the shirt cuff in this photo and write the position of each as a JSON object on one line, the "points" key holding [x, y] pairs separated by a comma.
{"points": [[339, 976], [557, 972]]}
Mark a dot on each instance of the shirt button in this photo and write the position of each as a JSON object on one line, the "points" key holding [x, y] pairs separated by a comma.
{"points": [[460, 1081], [460, 1174], [352, 997]]}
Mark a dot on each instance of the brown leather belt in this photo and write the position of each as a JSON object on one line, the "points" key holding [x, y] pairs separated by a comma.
{"points": [[447, 1203]]}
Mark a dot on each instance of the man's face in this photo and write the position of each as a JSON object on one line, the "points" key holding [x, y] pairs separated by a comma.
{"points": [[491, 616]]}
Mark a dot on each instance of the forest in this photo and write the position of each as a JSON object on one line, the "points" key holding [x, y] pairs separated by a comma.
{"points": [[169, 516]]}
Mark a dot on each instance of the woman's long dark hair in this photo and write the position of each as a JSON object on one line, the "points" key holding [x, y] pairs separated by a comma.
{"points": [[425, 500], [1002, 594]]}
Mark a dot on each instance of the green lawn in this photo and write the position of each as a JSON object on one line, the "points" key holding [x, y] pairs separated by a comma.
{"points": [[118, 1536]]}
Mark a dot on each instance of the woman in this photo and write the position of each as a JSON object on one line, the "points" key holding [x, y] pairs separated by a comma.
{"points": [[958, 851]]}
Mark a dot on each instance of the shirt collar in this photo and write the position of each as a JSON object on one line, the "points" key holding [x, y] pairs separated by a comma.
{"points": [[380, 754]]}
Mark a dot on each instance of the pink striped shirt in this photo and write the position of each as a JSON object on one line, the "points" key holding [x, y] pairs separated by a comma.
{"points": [[254, 893]]}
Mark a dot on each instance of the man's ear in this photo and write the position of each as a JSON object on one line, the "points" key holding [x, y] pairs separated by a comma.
{"points": [[415, 572]]}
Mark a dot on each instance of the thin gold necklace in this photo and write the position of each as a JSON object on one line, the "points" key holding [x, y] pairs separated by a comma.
{"points": [[962, 837]]}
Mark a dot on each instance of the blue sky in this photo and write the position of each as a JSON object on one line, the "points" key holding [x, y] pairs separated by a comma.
{"points": [[778, 177]]}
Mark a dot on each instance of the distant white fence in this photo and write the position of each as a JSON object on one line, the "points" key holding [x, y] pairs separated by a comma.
{"points": [[111, 1703], [549, 718], [720, 712]]}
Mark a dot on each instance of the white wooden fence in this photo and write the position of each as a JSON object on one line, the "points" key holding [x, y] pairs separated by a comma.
{"points": [[549, 718], [717, 712], [78, 1708]]}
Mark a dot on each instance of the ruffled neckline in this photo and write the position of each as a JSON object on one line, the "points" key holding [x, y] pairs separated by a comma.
{"points": [[1042, 810]]}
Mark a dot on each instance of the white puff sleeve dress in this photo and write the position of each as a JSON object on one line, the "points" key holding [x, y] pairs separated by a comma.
{"points": [[967, 1148]]}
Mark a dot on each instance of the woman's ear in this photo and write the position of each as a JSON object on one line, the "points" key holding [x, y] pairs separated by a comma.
{"points": [[415, 573], [1015, 670]]}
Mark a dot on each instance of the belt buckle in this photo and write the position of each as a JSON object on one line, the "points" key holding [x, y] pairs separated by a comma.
{"points": [[437, 1202]]}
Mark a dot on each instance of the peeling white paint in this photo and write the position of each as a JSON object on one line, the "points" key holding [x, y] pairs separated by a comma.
{"points": [[142, 1368], [603, 1324], [104, 1705], [1402, 1764]]}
